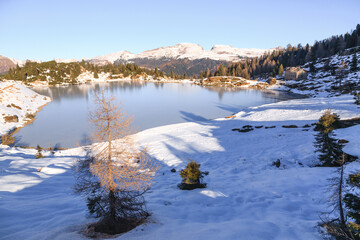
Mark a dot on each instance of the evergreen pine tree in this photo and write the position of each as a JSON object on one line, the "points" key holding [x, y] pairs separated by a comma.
{"points": [[312, 66], [191, 177], [207, 73], [96, 74], [281, 69], [352, 203], [222, 70], [353, 66], [328, 147], [327, 66]]}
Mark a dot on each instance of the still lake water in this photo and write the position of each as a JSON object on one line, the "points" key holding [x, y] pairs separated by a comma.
{"points": [[64, 121]]}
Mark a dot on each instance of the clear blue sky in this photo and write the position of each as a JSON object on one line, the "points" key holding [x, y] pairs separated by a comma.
{"points": [[48, 29]]}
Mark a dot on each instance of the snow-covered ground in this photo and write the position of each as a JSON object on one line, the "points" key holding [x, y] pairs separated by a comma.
{"points": [[322, 82], [246, 197], [18, 100]]}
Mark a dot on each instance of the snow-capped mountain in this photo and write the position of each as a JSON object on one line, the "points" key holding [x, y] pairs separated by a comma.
{"points": [[188, 51], [112, 57], [18, 61]]}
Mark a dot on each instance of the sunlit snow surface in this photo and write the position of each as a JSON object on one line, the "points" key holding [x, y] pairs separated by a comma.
{"points": [[16, 99], [246, 196]]}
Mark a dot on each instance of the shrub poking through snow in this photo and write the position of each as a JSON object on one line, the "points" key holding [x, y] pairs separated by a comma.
{"points": [[7, 139], [329, 148], [192, 177], [357, 98], [277, 163], [11, 118], [39, 154]]}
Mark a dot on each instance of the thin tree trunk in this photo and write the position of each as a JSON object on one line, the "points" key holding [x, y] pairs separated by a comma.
{"points": [[341, 210], [112, 206]]}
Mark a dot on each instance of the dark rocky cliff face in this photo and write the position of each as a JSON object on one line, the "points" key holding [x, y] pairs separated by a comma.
{"points": [[5, 64]]}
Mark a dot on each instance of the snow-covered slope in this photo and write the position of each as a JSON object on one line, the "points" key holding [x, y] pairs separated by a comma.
{"points": [[229, 51], [19, 62], [112, 57], [18, 100], [247, 197], [323, 82], [182, 50]]}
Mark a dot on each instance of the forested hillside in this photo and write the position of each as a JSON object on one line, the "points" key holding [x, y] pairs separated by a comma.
{"points": [[57, 73], [274, 63]]}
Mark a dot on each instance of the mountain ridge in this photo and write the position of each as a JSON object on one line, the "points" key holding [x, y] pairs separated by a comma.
{"points": [[178, 58], [190, 51]]}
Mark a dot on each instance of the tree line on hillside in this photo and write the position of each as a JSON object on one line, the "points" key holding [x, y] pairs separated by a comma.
{"points": [[56, 73], [274, 63]]}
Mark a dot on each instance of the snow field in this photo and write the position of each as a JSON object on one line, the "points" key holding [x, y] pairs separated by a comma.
{"points": [[246, 197]]}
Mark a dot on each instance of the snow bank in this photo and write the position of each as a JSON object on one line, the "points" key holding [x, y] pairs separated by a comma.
{"points": [[18, 100]]}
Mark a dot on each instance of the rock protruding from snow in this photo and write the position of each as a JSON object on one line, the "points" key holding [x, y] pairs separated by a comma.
{"points": [[5, 64]]}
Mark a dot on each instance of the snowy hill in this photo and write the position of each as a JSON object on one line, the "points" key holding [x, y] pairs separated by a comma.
{"points": [[325, 80], [17, 102]]}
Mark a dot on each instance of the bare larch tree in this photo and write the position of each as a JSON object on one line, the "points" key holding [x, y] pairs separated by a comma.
{"points": [[116, 173]]}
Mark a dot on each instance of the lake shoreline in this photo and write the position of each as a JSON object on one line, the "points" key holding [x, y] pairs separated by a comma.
{"points": [[152, 104]]}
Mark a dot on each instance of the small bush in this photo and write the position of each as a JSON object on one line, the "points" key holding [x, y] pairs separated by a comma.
{"points": [[12, 118], [191, 177], [38, 154], [357, 98], [30, 116], [7, 139], [271, 81]]}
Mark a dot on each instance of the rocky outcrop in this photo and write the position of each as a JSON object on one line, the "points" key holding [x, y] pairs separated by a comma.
{"points": [[5, 64]]}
